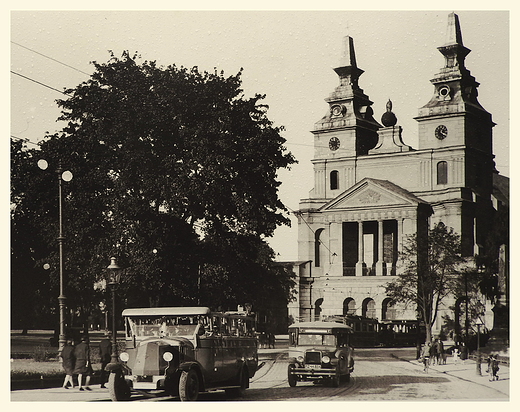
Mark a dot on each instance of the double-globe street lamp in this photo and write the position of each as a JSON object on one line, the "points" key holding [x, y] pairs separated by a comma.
{"points": [[67, 177], [113, 278]]}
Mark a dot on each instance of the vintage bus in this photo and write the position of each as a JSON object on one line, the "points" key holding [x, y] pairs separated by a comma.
{"points": [[320, 352], [183, 351]]}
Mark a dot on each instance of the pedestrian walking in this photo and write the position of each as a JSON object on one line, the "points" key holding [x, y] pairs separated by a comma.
{"points": [[438, 352], [105, 351], [68, 363], [456, 355], [433, 353], [493, 367], [271, 340], [82, 365], [425, 356], [463, 351]]}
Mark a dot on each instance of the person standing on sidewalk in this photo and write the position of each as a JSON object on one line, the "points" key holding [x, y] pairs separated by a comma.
{"points": [[68, 362], [425, 356], [83, 366], [105, 351]]}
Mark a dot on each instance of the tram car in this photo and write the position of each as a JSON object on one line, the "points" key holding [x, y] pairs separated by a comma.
{"points": [[370, 332], [400, 333]]}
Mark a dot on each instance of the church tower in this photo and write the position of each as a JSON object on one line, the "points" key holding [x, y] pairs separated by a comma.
{"points": [[347, 130], [458, 132]]}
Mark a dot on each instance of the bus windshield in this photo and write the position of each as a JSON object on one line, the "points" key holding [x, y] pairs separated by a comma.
{"points": [[165, 326], [316, 339]]}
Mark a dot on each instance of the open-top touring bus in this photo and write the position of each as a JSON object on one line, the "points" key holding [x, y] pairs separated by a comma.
{"points": [[183, 351]]}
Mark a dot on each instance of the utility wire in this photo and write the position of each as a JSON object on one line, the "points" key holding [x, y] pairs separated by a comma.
{"points": [[40, 83], [24, 139], [50, 58], [313, 231]]}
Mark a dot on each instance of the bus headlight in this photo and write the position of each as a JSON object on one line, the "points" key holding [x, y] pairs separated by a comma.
{"points": [[124, 356], [167, 356], [325, 359]]}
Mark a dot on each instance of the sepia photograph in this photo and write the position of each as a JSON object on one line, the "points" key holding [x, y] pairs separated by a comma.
{"points": [[259, 205]]}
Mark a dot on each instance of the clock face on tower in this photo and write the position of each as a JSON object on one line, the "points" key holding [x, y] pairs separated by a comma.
{"points": [[334, 143], [441, 132]]}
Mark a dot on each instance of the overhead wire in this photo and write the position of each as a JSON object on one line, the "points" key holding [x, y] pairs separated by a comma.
{"points": [[40, 83], [50, 58]]}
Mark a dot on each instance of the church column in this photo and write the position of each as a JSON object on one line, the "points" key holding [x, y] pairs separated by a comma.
{"points": [[399, 240], [380, 264], [360, 264]]}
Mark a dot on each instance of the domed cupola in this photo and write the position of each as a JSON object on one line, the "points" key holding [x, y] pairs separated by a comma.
{"points": [[390, 136], [388, 118]]}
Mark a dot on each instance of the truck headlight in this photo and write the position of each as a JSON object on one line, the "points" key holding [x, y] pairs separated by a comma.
{"points": [[124, 356], [325, 359], [300, 359], [167, 356]]}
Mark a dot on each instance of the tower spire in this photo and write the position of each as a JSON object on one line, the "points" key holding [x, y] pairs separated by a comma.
{"points": [[453, 50], [453, 34], [348, 71], [348, 58]]}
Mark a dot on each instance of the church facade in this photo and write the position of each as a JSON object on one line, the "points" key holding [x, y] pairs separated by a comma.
{"points": [[371, 190]]}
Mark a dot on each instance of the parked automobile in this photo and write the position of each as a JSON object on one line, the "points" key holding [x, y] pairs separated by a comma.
{"points": [[184, 351], [320, 352]]}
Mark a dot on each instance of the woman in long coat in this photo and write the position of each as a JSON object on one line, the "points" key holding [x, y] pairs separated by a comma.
{"points": [[68, 363], [83, 366]]}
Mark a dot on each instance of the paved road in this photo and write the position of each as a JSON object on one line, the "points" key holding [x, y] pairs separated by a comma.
{"points": [[380, 374]]}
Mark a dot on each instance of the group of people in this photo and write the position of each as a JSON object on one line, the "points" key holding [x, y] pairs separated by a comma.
{"points": [[76, 361], [266, 340], [433, 353]]}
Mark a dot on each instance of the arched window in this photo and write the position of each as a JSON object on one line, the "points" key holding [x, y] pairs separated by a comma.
{"points": [[317, 309], [349, 306], [334, 180], [388, 310], [317, 248], [369, 308], [442, 173]]}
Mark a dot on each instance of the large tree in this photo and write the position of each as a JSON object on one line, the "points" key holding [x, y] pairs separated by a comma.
{"points": [[175, 173], [427, 285]]}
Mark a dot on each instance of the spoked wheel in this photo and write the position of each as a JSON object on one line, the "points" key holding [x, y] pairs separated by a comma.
{"points": [[291, 377], [117, 387], [189, 386]]}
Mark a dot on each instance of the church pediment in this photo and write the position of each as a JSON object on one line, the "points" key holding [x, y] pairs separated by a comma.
{"points": [[370, 193]]}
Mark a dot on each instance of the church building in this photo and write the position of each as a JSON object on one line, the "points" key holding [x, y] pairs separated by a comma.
{"points": [[371, 190]]}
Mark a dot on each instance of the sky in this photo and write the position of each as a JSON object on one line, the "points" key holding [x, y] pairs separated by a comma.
{"points": [[287, 55]]}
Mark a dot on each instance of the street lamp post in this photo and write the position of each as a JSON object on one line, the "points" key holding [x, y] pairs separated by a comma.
{"points": [[67, 177], [114, 276], [479, 358]]}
